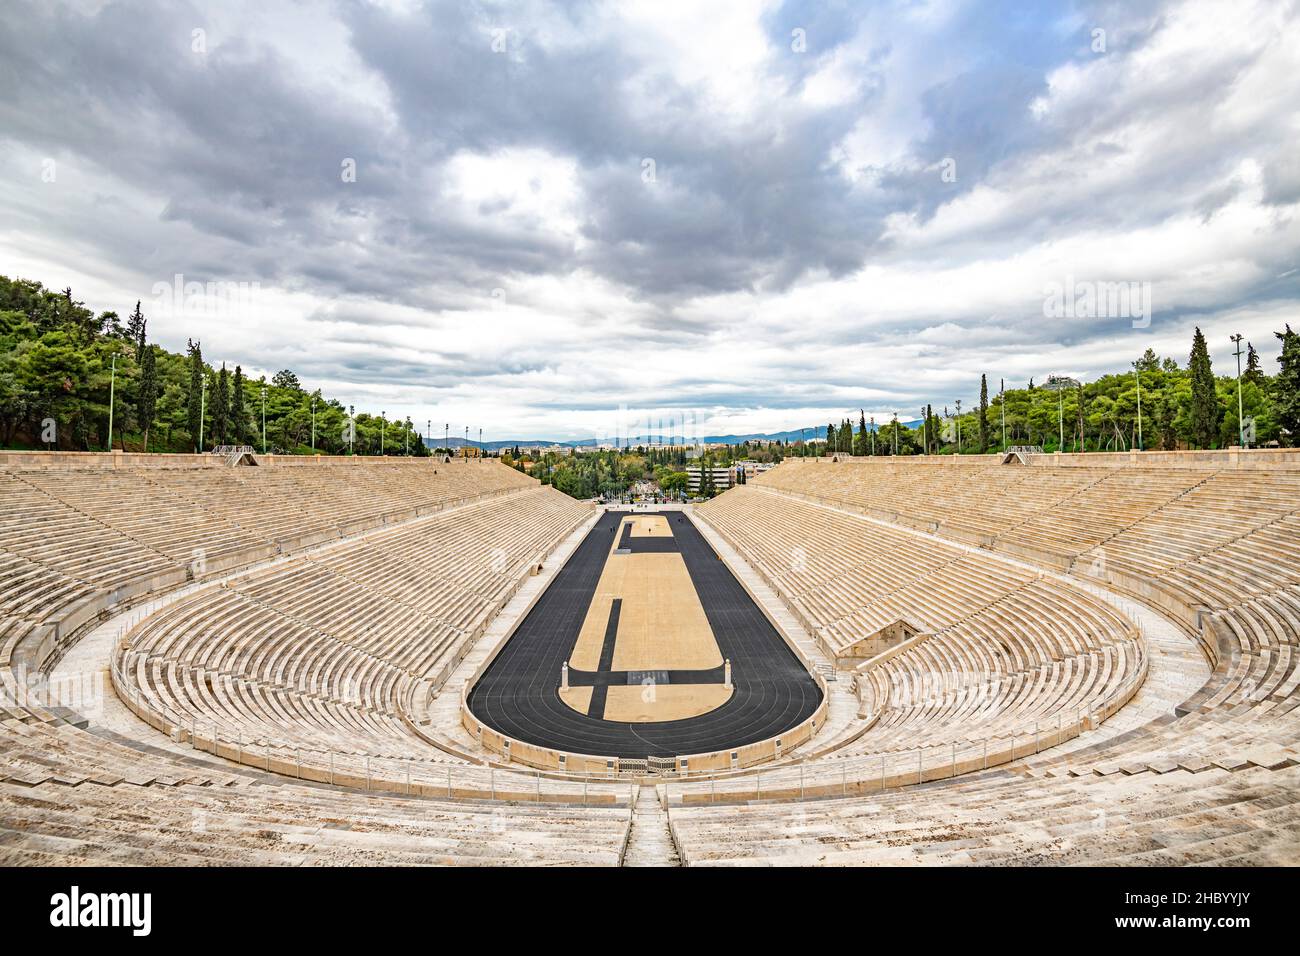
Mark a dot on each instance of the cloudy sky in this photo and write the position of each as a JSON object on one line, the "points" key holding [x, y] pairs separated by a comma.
{"points": [[554, 220]]}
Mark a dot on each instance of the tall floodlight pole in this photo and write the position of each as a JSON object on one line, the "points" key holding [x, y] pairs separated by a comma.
{"points": [[313, 423], [895, 434], [446, 438], [1241, 422], [428, 430], [480, 443], [873, 436], [1060, 419], [382, 425], [112, 383], [352, 427], [925, 432], [203, 403], [263, 419], [959, 426], [1137, 375]]}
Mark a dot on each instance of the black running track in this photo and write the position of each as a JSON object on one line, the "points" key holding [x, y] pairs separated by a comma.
{"points": [[519, 694]]}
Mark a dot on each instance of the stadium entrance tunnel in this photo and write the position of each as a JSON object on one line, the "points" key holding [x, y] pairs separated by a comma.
{"points": [[644, 646]]}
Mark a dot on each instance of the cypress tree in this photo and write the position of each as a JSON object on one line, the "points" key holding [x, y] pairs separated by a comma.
{"points": [[135, 329], [221, 407], [194, 408], [984, 414], [238, 417], [1205, 407], [148, 397]]}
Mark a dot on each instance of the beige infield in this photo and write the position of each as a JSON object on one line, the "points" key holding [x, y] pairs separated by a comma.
{"points": [[661, 626], [637, 703]]}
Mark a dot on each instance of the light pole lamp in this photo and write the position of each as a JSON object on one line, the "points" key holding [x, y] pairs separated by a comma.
{"points": [[313, 423], [263, 419], [203, 407], [959, 426], [382, 425], [1241, 423], [1059, 383]]}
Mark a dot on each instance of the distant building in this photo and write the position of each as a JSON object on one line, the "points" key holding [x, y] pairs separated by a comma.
{"points": [[722, 478]]}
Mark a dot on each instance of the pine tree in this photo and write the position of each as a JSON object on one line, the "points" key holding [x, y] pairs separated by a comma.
{"points": [[194, 408], [238, 417], [1204, 412], [1253, 374], [135, 329], [221, 407], [984, 414], [863, 440], [831, 436], [1286, 386], [148, 395]]}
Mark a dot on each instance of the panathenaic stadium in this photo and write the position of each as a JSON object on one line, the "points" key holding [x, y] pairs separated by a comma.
{"points": [[1060, 659]]}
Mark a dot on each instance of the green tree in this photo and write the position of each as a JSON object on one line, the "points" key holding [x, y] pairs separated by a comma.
{"points": [[147, 399], [238, 412], [1286, 386], [286, 379], [194, 408], [221, 407], [1204, 416], [1253, 372], [984, 414], [135, 331]]}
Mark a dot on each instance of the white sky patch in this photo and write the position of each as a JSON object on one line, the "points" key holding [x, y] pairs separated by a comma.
{"points": [[530, 190], [720, 48]]}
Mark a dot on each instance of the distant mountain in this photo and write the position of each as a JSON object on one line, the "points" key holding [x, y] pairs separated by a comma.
{"points": [[817, 433]]}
